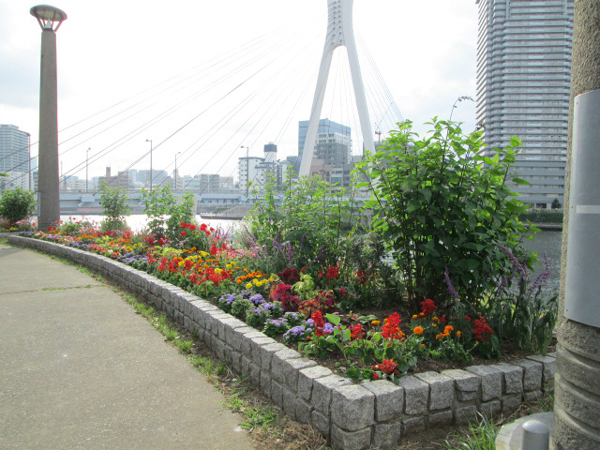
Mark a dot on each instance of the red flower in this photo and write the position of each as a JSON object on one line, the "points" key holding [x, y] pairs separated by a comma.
{"points": [[356, 332], [183, 233], [388, 366], [332, 273], [482, 330], [428, 307], [317, 318], [391, 329]]}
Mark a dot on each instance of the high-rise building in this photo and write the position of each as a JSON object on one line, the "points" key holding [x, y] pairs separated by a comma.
{"points": [[523, 88], [14, 157], [333, 146]]}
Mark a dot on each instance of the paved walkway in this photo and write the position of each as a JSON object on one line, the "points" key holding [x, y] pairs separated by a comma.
{"points": [[80, 370]]}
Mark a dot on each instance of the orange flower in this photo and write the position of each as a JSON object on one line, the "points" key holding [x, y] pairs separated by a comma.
{"points": [[458, 333], [418, 330]]}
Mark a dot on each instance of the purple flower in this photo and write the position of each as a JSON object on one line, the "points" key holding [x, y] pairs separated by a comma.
{"points": [[449, 284], [257, 299]]}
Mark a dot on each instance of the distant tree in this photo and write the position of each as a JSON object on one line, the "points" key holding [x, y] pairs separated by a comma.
{"points": [[556, 204], [17, 204]]}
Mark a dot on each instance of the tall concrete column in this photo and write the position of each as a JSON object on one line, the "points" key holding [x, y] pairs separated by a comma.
{"points": [[49, 19], [577, 386]]}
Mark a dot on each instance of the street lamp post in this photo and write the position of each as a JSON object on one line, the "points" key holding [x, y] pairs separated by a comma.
{"points": [[87, 154], [50, 19], [151, 177]]}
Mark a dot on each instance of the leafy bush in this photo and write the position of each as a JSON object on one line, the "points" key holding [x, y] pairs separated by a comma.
{"points": [[442, 207], [165, 212], [17, 204], [114, 203], [317, 229]]}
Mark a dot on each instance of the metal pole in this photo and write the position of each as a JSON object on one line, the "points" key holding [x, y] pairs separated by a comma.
{"points": [[577, 384]]}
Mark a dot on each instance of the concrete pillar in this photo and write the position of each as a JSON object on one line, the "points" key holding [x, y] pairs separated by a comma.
{"points": [[577, 406], [48, 146]]}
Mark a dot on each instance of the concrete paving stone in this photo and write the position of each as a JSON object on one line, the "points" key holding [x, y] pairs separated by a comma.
{"points": [[322, 392], [387, 435], [356, 440], [307, 377], [352, 407], [321, 423], [532, 374], [513, 378], [279, 362], [491, 409], [276, 393], [413, 425], [441, 390], [549, 367], [291, 371], [442, 418], [466, 384], [81, 370], [266, 354], [511, 403], [416, 395], [465, 415], [389, 399], [491, 381]]}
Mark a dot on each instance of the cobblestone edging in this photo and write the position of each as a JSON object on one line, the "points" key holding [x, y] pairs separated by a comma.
{"points": [[351, 416]]}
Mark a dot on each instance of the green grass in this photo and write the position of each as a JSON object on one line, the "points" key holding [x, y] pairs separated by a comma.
{"points": [[481, 436]]}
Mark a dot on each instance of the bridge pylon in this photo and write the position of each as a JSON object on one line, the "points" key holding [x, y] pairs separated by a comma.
{"points": [[339, 33]]}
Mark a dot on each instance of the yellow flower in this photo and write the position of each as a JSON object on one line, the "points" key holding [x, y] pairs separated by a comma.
{"points": [[418, 330], [375, 322], [415, 317], [249, 286], [218, 271]]}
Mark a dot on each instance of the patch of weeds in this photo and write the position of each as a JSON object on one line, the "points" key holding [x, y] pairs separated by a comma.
{"points": [[184, 346], [171, 335], [481, 436]]}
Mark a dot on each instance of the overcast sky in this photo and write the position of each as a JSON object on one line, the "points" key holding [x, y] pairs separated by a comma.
{"points": [[112, 52]]}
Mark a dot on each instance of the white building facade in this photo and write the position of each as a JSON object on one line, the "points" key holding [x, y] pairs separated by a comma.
{"points": [[14, 157], [523, 88]]}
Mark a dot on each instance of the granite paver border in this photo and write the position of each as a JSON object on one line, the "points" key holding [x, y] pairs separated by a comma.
{"points": [[350, 416]]}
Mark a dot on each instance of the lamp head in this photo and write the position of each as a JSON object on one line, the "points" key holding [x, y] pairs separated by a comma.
{"points": [[48, 16]]}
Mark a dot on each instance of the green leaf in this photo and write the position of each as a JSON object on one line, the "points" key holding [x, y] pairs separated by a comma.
{"points": [[333, 319]]}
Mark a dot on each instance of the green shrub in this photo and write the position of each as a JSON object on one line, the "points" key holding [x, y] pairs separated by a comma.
{"points": [[17, 204], [114, 203], [316, 227], [165, 212], [442, 208]]}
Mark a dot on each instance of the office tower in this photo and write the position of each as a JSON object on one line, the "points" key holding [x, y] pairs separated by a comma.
{"points": [[14, 157], [333, 143], [523, 88]]}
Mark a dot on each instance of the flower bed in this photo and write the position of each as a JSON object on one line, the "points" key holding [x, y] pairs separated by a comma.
{"points": [[350, 415]]}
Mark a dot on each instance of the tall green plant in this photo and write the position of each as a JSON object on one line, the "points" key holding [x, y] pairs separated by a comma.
{"points": [[17, 204], [442, 206], [114, 204], [165, 211], [314, 226]]}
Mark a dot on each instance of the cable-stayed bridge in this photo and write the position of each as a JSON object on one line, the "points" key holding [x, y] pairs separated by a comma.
{"points": [[199, 120]]}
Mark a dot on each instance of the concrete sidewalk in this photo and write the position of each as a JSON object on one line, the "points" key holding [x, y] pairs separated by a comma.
{"points": [[80, 370]]}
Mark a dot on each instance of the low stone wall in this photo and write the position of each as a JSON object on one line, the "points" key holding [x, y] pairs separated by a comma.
{"points": [[351, 416]]}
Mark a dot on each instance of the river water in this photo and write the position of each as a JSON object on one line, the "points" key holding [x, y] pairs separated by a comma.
{"points": [[547, 243]]}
